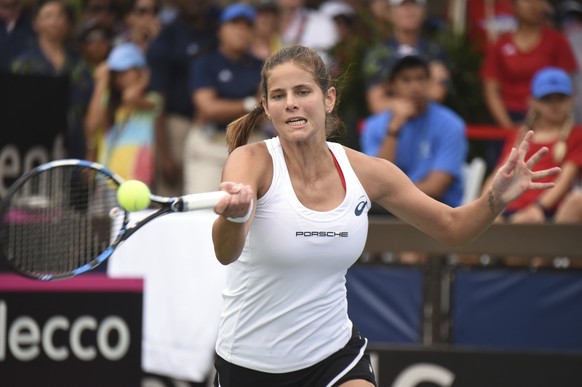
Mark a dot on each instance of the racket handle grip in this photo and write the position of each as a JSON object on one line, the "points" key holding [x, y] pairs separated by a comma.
{"points": [[199, 201]]}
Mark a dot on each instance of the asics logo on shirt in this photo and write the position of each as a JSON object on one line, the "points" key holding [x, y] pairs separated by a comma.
{"points": [[360, 207]]}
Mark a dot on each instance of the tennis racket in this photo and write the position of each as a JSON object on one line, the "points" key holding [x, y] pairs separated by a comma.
{"points": [[62, 218]]}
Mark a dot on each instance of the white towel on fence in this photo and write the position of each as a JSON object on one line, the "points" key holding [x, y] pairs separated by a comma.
{"points": [[182, 291]]}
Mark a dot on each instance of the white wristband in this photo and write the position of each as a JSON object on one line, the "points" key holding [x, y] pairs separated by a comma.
{"points": [[242, 219], [250, 103]]}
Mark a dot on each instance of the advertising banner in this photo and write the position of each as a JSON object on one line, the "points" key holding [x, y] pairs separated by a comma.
{"points": [[85, 331], [420, 367]]}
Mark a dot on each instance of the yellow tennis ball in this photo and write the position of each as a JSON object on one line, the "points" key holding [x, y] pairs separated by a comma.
{"points": [[133, 195]]}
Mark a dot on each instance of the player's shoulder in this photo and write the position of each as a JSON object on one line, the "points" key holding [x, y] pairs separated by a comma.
{"points": [[376, 175], [364, 164], [252, 153], [250, 163]]}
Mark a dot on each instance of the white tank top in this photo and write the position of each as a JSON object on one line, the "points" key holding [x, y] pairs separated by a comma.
{"points": [[285, 304]]}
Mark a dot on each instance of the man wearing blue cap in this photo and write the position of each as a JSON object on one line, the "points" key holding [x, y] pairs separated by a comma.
{"points": [[224, 86]]}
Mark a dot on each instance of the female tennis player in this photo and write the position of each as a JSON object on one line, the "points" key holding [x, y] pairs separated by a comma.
{"points": [[296, 220]]}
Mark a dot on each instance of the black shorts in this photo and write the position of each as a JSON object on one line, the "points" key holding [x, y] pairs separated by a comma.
{"points": [[349, 363]]}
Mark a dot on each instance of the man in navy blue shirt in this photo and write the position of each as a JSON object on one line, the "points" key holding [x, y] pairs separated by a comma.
{"points": [[423, 138], [16, 33], [192, 33], [224, 86], [224, 83]]}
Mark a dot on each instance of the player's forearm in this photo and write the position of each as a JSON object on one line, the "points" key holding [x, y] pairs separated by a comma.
{"points": [[229, 239], [433, 190], [471, 220]]}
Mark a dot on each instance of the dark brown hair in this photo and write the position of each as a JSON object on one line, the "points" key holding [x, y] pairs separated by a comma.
{"points": [[67, 9], [239, 131]]}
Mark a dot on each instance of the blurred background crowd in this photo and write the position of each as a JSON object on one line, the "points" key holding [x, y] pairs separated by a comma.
{"points": [[154, 83], [431, 85]]}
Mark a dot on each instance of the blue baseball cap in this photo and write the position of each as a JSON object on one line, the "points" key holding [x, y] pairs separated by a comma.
{"points": [[551, 80], [125, 56], [238, 11]]}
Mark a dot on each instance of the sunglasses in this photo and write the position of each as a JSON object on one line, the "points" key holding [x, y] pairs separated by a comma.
{"points": [[141, 11]]}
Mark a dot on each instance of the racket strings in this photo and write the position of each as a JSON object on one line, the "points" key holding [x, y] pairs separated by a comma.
{"points": [[59, 220]]}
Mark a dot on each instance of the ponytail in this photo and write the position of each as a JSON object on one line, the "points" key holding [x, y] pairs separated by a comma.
{"points": [[239, 131]]}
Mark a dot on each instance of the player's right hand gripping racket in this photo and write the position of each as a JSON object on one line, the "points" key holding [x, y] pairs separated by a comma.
{"points": [[62, 218]]}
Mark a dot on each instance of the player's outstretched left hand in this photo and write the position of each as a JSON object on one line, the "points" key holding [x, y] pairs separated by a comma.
{"points": [[516, 176]]}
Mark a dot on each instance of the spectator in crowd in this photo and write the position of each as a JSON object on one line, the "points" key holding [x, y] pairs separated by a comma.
{"points": [[569, 14], [516, 56], [16, 32], [550, 117], [346, 63], [95, 42], [267, 37], [104, 12], [349, 32], [141, 23], [224, 87], [129, 114], [511, 62], [440, 78], [487, 20], [407, 18], [309, 28], [423, 138], [377, 16], [52, 56], [191, 33], [343, 16]]}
